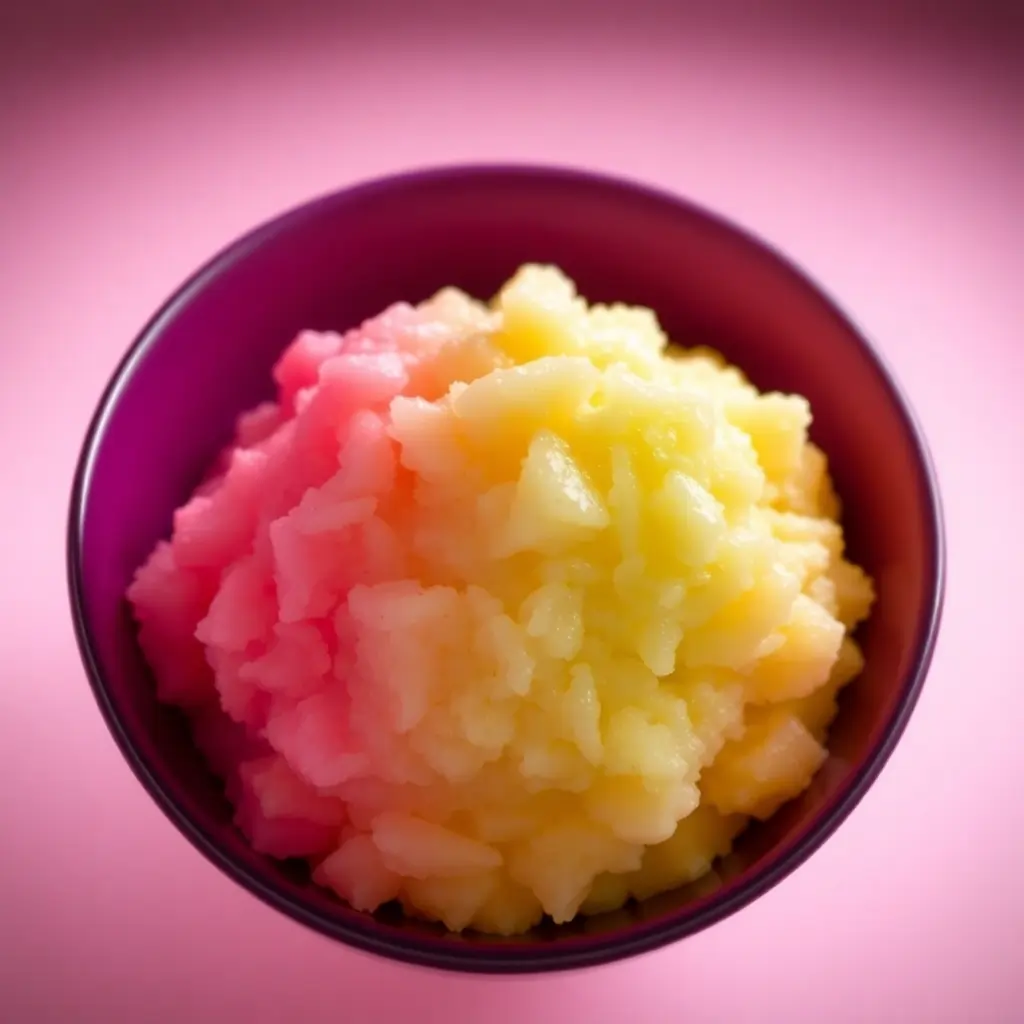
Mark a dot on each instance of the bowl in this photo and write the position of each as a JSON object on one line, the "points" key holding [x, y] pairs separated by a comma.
{"points": [[206, 356]]}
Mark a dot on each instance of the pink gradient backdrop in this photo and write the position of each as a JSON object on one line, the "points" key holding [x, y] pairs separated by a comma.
{"points": [[885, 153]]}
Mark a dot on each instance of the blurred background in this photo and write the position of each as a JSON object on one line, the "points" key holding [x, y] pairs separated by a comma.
{"points": [[880, 144]]}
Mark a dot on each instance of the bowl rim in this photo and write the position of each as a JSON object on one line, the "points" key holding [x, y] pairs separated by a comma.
{"points": [[585, 951]]}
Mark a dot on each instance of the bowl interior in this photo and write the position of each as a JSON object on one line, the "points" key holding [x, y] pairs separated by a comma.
{"points": [[208, 356]]}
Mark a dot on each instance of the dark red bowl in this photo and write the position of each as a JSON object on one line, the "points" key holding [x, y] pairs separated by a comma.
{"points": [[207, 354]]}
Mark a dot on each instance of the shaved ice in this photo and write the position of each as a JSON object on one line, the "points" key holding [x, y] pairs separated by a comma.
{"points": [[507, 610]]}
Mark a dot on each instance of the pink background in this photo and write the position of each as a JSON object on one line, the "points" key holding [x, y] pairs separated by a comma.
{"points": [[884, 151]]}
